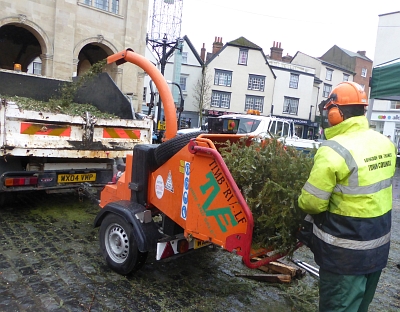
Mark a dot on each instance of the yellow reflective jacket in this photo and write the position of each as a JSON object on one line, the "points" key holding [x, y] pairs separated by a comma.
{"points": [[349, 196]]}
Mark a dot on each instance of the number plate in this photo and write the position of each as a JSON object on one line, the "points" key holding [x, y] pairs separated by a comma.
{"points": [[199, 244], [76, 178]]}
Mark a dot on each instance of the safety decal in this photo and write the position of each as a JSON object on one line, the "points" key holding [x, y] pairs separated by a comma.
{"points": [[168, 185], [121, 133], [182, 166], [43, 129], [185, 192], [159, 187]]}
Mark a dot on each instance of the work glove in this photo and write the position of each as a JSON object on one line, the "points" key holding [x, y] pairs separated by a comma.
{"points": [[305, 234]]}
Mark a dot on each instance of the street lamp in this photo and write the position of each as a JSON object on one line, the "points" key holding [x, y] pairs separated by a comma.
{"points": [[164, 50]]}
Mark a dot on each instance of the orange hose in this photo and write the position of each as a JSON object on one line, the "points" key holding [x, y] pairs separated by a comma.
{"points": [[161, 84]]}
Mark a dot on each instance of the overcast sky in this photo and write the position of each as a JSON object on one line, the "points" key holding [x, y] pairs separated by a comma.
{"points": [[309, 26]]}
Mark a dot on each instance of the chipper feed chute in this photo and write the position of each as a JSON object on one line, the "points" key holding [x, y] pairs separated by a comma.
{"points": [[195, 189]]}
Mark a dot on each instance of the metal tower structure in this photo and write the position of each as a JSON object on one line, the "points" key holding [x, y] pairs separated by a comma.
{"points": [[166, 20], [165, 31]]}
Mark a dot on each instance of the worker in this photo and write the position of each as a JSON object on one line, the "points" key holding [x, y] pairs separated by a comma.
{"points": [[348, 199]]}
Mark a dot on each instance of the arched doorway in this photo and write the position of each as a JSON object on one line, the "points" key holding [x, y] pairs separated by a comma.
{"points": [[18, 46], [89, 55]]}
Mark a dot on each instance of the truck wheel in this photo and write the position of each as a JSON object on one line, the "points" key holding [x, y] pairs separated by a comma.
{"points": [[169, 148], [118, 245]]}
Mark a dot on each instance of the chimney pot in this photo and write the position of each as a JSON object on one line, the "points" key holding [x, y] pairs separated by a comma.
{"points": [[276, 52], [203, 52], [217, 45]]}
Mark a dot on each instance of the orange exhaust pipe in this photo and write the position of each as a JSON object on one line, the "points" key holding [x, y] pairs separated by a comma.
{"points": [[129, 55]]}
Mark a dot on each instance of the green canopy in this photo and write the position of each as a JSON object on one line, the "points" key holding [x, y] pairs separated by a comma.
{"points": [[385, 81]]}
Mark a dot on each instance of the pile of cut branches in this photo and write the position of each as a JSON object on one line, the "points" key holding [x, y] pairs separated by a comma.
{"points": [[63, 103], [270, 177]]}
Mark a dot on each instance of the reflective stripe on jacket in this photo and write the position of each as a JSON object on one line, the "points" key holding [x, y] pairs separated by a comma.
{"points": [[349, 195]]}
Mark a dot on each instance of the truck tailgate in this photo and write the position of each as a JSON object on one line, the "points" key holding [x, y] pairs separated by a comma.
{"points": [[43, 134]]}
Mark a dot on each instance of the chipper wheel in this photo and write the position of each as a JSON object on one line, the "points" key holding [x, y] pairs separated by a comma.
{"points": [[118, 245]]}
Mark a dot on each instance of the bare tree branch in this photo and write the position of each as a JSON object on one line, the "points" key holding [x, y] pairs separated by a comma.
{"points": [[202, 94]]}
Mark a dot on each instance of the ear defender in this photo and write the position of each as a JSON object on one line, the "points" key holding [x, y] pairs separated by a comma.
{"points": [[335, 115]]}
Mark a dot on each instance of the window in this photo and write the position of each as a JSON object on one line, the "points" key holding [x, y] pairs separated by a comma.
{"points": [[394, 104], [294, 81], [290, 106], [184, 57], [220, 99], [115, 6], [346, 77], [223, 78], [254, 102], [247, 125], [280, 128], [363, 72], [37, 68], [182, 82], [329, 73], [144, 94], [101, 4], [256, 83], [243, 54], [105, 5], [362, 86], [327, 90]]}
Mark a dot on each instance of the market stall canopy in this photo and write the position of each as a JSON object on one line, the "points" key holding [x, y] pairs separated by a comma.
{"points": [[385, 81]]}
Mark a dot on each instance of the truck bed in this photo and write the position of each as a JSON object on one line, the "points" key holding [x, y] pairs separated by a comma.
{"points": [[44, 134]]}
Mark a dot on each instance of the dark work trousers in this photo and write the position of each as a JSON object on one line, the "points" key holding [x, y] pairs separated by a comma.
{"points": [[346, 293]]}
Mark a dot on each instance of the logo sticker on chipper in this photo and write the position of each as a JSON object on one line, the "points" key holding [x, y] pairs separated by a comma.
{"points": [[185, 191], [159, 187]]}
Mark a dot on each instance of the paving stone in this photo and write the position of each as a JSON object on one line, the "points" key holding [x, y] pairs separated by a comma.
{"points": [[50, 261], [9, 275], [19, 290]]}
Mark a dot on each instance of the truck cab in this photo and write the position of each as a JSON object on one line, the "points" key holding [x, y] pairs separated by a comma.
{"points": [[250, 124], [253, 124]]}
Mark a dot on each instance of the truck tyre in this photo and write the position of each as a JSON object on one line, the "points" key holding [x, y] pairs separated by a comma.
{"points": [[169, 148], [118, 245]]}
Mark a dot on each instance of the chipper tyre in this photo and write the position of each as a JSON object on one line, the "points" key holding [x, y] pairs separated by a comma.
{"points": [[118, 245], [169, 148]]}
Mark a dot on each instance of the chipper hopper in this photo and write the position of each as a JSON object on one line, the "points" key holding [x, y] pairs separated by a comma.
{"points": [[174, 197]]}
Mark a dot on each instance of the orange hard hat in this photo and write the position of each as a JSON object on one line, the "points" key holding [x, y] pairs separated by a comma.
{"points": [[347, 93]]}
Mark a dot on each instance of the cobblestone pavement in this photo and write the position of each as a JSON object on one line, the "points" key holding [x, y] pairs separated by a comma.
{"points": [[50, 261]]}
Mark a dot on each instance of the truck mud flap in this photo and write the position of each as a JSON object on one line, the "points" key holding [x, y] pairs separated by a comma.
{"points": [[144, 229]]}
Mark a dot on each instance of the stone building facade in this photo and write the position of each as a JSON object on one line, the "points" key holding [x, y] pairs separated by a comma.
{"points": [[71, 35]]}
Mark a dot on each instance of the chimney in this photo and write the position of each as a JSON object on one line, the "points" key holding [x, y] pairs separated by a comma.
{"points": [[287, 58], [217, 45], [276, 51], [361, 52], [203, 53]]}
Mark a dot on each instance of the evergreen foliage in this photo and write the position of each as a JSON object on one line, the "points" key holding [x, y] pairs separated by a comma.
{"points": [[63, 103], [270, 177]]}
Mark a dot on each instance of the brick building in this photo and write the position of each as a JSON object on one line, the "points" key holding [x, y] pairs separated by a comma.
{"points": [[357, 62]]}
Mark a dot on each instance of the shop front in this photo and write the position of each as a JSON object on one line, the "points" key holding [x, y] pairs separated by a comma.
{"points": [[387, 123]]}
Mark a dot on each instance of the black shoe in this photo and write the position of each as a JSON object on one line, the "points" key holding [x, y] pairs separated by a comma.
{"points": [[398, 266]]}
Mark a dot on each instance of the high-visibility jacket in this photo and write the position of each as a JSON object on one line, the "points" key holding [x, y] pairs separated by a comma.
{"points": [[349, 197]]}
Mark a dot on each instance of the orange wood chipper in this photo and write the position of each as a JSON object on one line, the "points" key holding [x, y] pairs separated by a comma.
{"points": [[173, 197]]}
